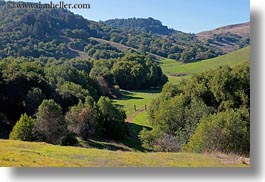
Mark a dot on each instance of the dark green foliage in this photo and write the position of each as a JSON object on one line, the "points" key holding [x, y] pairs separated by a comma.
{"points": [[137, 72], [50, 125], [78, 45], [69, 140], [32, 100], [21, 78], [216, 101], [3, 118], [23, 130], [131, 72], [114, 119], [99, 50], [177, 119], [70, 94], [140, 25], [25, 82]]}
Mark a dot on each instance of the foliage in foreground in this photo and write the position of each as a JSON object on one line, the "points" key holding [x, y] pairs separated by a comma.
{"points": [[207, 112]]}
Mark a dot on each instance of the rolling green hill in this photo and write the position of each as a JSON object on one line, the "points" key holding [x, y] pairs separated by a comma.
{"points": [[25, 154], [175, 70]]}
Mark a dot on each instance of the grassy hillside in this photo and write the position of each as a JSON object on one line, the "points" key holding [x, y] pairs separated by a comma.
{"points": [[175, 70], [24, 154]]}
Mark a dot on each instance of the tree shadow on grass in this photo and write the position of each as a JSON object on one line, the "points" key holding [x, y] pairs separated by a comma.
{"points": [[5, 130], [128, 97], [132, 140], [101, 145]]}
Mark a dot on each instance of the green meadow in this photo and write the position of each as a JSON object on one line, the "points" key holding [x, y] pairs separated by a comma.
{"points": [[25, 154], [176, 70]]}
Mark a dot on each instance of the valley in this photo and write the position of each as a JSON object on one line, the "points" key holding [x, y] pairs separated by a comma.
{"points": [[121, 93]]}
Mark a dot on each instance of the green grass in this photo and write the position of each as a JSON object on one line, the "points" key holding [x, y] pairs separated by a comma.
{"points": [[30, 154], [137, 98], [171, 67], [142, 119]]}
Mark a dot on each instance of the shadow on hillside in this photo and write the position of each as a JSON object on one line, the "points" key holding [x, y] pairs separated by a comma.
{"points": [[5, 131], [128, 97], [133, 140], [100, 145]]}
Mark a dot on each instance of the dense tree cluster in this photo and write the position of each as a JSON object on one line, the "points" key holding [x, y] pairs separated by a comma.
{"points": [[26, 82], [133, 71], [205, 113], [140, 25]]}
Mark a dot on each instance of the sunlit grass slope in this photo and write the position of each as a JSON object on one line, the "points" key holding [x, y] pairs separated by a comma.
{"points": [[25, 154], [176, 70]]}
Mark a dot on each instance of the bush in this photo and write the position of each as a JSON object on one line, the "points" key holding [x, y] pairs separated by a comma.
{"points": [[167, 143], [23, 130], [227, 132]]}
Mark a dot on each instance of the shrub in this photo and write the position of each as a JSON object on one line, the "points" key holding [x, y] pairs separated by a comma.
{"points": [[23, 130], [226, 132]]}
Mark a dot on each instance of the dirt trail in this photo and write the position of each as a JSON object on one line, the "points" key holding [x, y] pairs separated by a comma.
{"points": [[130, 118], [82, 54]]}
